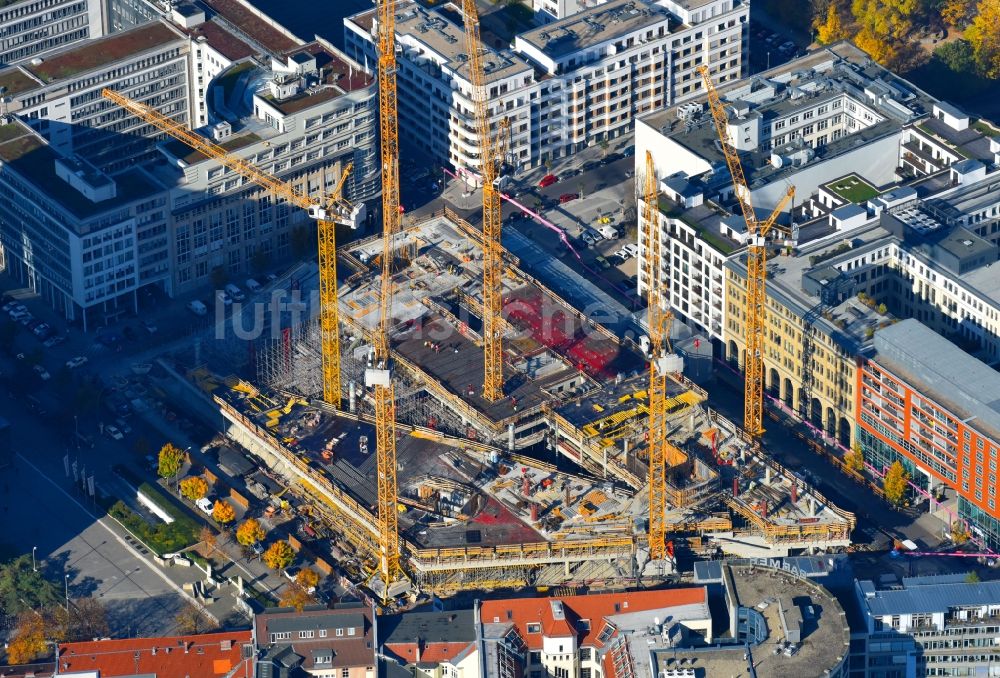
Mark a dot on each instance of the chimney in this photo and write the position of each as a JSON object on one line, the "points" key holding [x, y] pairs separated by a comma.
{"points": [[226, 645], [419, 650]]}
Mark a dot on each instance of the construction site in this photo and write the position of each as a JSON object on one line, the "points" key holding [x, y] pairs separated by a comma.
{"points": [[459, 426], [545, 486]]}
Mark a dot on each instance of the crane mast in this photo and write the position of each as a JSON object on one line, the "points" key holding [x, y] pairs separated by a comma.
{"points": [[755, 307], [328, 212], [492, 212], [662, 453], [379, 375]]}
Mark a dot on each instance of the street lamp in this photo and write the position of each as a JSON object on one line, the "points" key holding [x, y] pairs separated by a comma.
{"points": [[34, 568], [67, 593]]}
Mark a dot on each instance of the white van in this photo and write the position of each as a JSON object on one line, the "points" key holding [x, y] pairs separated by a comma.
{"points": [[197, 307], [252, 285], [235, 292], [609, 232]]}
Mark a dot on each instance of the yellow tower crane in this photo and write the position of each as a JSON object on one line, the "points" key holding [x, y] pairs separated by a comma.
{"points": [[378, 375], [491, 156], [755, 307], [328, 211], [662, 453]]}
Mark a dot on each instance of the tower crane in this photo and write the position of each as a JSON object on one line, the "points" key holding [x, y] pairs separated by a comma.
{"points": [[379, 375], [491, 156], [327, 211], [755, 308], [662, 453]]}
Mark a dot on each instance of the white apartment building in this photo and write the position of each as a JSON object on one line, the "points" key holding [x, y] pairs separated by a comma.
{"points": [[29, 28], [808, 123], [564, 85], [928, 626]]}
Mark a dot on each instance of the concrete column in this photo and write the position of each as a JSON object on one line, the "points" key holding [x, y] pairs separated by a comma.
{"points": [[510, 437]]}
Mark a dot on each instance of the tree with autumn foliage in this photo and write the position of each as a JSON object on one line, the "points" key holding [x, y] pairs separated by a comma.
{"points": [[295, 596], [885, 27], [958, 13], [170, 461], [984, 36], [28, 641], [855, 459], [831, 29], [279, 555], [223, 513], [194, 488], [250, 532], [895, 483], [307, 578]]}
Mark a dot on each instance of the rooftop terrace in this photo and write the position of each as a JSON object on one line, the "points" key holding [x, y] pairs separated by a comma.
{"points": [[223, 40], [338, 78], [14, 81], [259, 30]]}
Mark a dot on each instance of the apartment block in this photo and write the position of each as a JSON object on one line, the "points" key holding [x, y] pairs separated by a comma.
{"points": [[563, 85], [929, 404], [316, 642], [929, 626], [29, 28]]}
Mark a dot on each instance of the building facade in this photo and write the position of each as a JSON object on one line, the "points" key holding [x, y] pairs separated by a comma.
{"points": [[925, 402], [30, 28], [565, 85], [432, 644], [930, 626]]}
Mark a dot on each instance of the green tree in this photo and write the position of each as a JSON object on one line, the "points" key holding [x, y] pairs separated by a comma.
{"points": [[22, 588], [194, 488], [831, 29], [972, 577], [605, 145], [170, 461], [250, 532], [984, 36], [957, 56], [895, 483], [279, 555]]}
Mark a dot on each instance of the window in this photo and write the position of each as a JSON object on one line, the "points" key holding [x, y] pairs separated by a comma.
{"points": [[340, 632], [284, 635], [307, 634], [322, 633], [534, 628], [345, 673], [350, 631]]}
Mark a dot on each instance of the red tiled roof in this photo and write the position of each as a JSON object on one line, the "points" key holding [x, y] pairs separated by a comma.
{"points": [[432, 653], [594, 607], [164, 657]]}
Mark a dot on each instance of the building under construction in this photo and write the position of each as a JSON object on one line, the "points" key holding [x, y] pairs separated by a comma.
{"points": [[477, 507]]}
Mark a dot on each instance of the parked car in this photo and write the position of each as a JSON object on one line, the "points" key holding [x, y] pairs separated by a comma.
{"points": [[632, 249], [53, 341], [197, 307], [9, 306], [205, 505], [123, 426], [252, 285], [149, 326], [76, 362], [224, 298], [43, 374], [42, 331], [568, 197], [235, 292], [602, 262], [113, 433], [548, 180]]}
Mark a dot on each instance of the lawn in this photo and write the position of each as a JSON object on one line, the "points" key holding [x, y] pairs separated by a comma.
{"points": [[853, 189]]}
